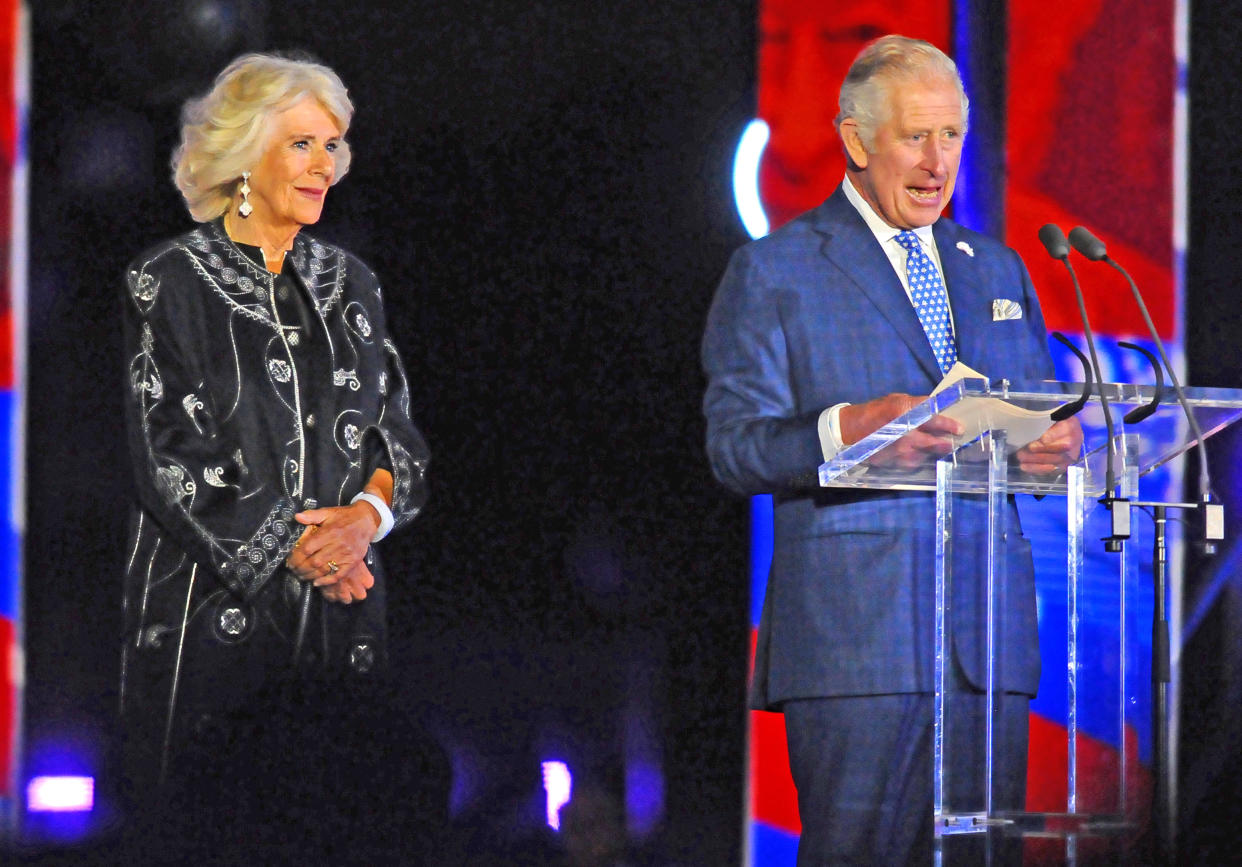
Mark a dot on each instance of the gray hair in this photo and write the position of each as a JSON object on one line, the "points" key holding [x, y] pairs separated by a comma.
{"points": [[890, 59], [224, 132]]}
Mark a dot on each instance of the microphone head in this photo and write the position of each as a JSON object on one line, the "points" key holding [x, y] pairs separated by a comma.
{"points": [[1053, 239], [1087, 244]]}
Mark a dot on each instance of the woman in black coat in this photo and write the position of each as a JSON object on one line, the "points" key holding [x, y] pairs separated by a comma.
{"points": [[268, 418]]}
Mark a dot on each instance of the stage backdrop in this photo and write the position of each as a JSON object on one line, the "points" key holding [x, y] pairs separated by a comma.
{"points": [[1083, 132], [13, 65]]}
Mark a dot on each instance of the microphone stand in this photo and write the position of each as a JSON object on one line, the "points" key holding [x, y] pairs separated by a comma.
{"points": [[1163, 812], [1055, 243]]}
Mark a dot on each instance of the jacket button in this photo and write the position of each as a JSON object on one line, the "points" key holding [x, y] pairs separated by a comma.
{"points": [[310, 420], [232, 621]]}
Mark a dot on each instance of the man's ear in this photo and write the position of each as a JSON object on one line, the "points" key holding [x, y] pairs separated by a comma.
{"points": [[853, 143]]}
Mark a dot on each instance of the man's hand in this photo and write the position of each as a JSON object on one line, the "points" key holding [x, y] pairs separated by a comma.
{"points": [[1060, 446], [931, 438]]}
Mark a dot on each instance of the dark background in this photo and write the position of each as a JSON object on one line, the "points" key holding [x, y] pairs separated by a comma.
{"points": [[1211, 736], [544, 189]]}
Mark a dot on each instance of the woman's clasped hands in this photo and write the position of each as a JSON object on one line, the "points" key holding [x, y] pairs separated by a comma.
{"points": [[331, 552]]}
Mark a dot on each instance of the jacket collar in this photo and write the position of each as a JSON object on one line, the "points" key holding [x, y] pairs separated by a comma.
{"points": [[849, 244], [246, 284]]}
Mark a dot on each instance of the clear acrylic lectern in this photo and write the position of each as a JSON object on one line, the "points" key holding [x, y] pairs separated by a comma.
{"points": [[976, 480]]}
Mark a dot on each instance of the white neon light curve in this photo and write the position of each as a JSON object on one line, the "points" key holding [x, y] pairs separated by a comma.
{"points": [[746, 178]]}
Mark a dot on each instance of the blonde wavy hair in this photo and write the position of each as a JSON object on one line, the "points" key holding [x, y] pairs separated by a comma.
{"points": [[224, 132]]}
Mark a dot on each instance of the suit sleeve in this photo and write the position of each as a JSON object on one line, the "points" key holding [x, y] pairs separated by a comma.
{"points": [[190, 478], [757, 439]]}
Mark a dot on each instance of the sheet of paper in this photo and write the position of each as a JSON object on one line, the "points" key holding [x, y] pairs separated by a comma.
{"points": [[979, 414]]}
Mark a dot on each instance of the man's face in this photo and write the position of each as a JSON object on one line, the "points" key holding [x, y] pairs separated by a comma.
{"points": [[908, 178]]}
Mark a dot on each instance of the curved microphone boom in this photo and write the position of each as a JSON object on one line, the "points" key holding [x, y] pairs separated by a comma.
{"points": [[1093, 248], [1053, 239]]}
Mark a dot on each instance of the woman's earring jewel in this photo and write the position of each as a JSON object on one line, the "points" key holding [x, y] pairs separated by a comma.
{"points": [[245, 207]]}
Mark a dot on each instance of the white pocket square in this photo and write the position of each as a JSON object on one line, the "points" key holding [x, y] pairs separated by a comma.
{"points": [[1003, 309]]}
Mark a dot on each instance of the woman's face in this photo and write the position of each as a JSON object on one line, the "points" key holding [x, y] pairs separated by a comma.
{"points": [[288, 186]]}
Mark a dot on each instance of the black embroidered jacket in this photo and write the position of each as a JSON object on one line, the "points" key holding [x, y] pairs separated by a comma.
{"points": [[250, 397]]}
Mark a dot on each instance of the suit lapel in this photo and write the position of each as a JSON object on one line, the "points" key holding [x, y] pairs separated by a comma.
{"points": [[972, 312], [849, 245]]}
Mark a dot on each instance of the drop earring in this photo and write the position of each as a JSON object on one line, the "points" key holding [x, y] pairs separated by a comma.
{"points": [[245, 207]]}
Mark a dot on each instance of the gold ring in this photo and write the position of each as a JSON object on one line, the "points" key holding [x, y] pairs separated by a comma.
{"points": [[332, 567]]}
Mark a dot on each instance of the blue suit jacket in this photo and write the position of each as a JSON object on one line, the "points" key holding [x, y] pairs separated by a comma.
{"points": [[814, 315]]}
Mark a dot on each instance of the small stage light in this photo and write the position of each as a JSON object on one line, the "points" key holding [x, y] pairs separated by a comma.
{"points": [[559, 784], [60, 794]]}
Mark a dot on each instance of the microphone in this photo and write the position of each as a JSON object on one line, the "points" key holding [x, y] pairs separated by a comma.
{"points": [[1087, 244], [1093, 248], [1053, 239]]}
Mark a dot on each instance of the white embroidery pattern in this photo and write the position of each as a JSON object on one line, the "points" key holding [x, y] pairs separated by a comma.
{"points": [[149, 383], [145, 286], [190, 403], [346, 377], [176, 485]]}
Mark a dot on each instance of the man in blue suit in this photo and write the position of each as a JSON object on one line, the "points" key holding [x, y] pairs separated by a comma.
{"points": [[819, 334]]}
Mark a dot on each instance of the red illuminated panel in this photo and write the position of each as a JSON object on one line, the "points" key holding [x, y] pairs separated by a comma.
{"points": [[805, 49], [773, 797], [8, 158], [1047, 784], [13, 52], [8, 705], [1090, 142]]}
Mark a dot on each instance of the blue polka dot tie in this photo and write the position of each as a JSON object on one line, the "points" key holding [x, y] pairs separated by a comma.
{"points": [[931, 301]]}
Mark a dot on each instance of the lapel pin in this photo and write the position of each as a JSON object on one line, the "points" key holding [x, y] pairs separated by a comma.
{"points": [[966, 248]]}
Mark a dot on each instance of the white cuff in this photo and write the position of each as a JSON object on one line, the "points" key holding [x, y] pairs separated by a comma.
{"points": [[381, 509], [830, 431]]}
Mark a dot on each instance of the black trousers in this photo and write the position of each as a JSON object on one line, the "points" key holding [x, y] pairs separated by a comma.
{"points": [[863, 769]]}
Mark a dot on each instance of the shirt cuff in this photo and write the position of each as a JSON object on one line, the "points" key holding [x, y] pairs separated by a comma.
{"points": [[830, 431], [381, 509]]}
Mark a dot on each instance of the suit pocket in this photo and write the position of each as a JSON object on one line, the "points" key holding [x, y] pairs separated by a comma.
{"points": [[851, 613]]}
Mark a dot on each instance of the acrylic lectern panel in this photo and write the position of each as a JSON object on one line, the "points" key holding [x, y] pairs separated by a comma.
{"points": [[974, 756], [1163, 436]]}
